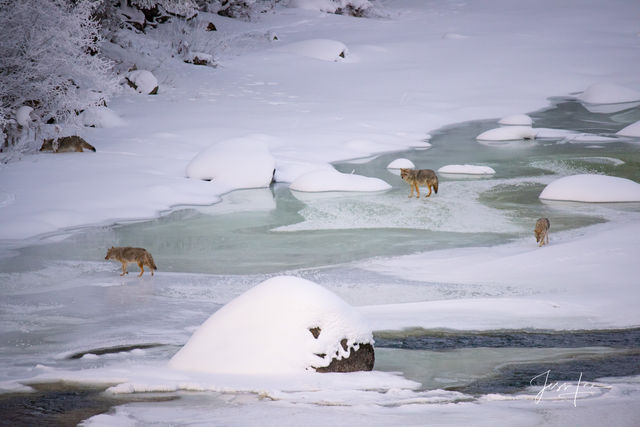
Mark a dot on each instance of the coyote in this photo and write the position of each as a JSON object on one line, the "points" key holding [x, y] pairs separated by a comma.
{"points": [[66, 144], [128, 254], [416, 177], [542, 231]]}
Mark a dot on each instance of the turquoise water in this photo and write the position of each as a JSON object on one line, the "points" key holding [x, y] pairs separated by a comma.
{"points": [[273, 230]]}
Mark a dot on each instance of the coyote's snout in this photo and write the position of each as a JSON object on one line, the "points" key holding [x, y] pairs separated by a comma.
{"points": [[417, 177], [128, 254], [542, 231]]}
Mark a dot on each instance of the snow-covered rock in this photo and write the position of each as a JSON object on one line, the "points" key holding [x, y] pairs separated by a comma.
{"points": [[240, 162], [323, 49], [23, 115], [608, 93], [289, 171], [401, 164], [143, 81], [508, 133], [283, 325], [467, 170], [332, 180], [332, 6], [592, 188], [631, 130], [516, 120], [101, 117]]}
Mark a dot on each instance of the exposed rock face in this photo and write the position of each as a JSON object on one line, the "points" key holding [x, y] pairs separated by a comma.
{"points": [[361, 356]]}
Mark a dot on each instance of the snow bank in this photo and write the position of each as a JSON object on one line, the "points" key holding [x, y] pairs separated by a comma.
{"points": [[289, 171], [608, 93], [592, 188], [467, 170], [143, 81], [240, 162], [631, 130], [267, 330], [401, 164], [101, 117], [508, 133], [332, 180], [323, 49], [516, 120]]}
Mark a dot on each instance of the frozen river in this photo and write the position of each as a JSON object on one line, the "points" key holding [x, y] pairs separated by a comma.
{"points": [[64, 308]]}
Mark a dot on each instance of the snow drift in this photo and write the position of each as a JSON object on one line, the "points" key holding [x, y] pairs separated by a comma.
{"points": [[508, 133], [467, 170], [592, 188], [332, 180], [272, 329], [240, 162]]}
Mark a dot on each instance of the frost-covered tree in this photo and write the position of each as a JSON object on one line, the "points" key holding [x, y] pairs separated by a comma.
{"points": [[50, 62]]}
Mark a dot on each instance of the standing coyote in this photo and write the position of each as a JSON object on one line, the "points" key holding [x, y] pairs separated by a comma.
{"points": [[416, 177], [542, 231], [128, 254], [66, 144]]}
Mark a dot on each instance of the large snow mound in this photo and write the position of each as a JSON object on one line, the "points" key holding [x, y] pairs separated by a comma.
{"points": [[332, 180], [401, 164], [240, 162], [101, 117], [631, 130], [267, 330], [608, 93], [467, 170], [592, 188], [508, 133], [323, 49], [516, 120]]}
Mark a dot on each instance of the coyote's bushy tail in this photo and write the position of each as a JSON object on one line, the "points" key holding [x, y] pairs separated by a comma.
{"points": [[88, 146], [152, 264]]}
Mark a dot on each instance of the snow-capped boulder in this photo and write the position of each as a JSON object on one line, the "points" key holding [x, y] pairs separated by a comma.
{"points": [[347, 7], [240, 163], [289, 171], [100, 117], [199, 58], [143, 81], [608, 93], [283, 325], [592, 188], [332, 180], [23, 115], [401, 164], [516, 120], [467, 170], [508, 133], [632, 130], [323, 49]]}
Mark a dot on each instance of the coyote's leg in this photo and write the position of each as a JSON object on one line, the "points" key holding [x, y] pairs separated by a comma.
{"points": [[124, 268], [141, 265], [411, 186], [417, 190], [429, 191]]}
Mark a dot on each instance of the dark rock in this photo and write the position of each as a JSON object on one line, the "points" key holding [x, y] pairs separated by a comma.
{"points": [[211, 27], [361, 359]]}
